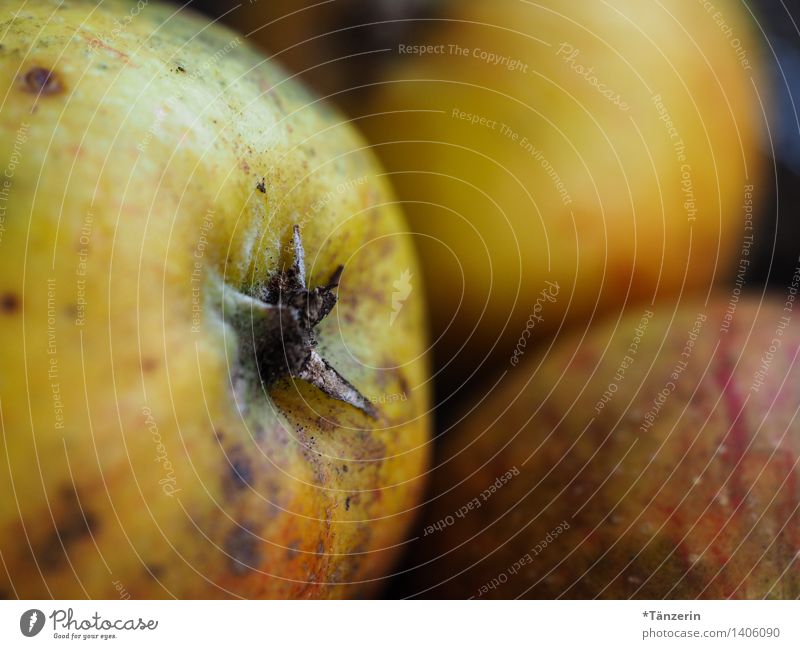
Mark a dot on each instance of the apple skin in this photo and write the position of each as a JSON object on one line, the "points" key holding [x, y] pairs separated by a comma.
{"points": [[154, 163], [704, 502], [575, 190]]}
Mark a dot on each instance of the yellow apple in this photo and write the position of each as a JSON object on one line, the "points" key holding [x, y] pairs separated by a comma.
{"points": [[608, 148], [185, 410]]}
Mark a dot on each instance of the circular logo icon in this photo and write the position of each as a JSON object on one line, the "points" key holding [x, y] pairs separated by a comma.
{"points": [[31, 622]]}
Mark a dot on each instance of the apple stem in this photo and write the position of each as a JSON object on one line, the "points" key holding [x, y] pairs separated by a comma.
{"points": [[276, 329], [321, 374]]}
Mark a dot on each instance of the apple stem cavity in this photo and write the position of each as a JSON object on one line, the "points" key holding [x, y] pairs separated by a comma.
{"points": [[281, 318]]}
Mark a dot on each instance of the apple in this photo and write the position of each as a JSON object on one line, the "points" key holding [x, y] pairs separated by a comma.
{"points": [[611, 148], [657, 456], [210, 385]]}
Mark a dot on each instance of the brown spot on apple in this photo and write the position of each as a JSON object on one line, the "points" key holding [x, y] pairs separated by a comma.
{"points": [[326, 425], [73, 524], [403, 382], [243, 549], [293, 550], [149, 364], [154, 571], [9, 303], [239, 473], [41, 82]]}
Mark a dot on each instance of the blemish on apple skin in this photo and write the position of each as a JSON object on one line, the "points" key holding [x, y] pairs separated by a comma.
{"points": [[9, 303], [293, 550], [325, 425], [240, 472], [41, 82], [72, 525], [149, 364], [154, 571], [243, 549], [401, 378]]}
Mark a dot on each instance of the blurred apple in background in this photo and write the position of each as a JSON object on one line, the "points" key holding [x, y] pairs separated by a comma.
{"points": [[658, 456], [602, 153]]}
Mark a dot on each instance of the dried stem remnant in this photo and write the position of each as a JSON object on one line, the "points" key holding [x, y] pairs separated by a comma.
{"points": [[282, 322]]}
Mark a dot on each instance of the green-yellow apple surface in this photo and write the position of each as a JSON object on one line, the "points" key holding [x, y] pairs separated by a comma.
{"points": [[657, 456], [185, 409], [610, 148]]}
